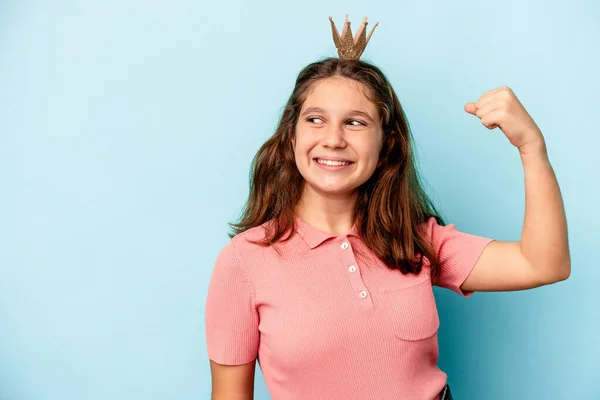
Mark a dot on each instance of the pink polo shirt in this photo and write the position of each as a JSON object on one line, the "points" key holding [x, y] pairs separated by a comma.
{"points": [[326, 319]]}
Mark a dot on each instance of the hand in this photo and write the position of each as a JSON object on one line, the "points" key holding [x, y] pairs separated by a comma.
{"points": [[501, 108]]}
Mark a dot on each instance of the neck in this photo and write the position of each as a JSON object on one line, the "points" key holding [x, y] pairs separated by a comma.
{"points": [[329, 213]]}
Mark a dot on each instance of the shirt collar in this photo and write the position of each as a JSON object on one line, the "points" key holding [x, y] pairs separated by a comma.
{"points": [[313, 236]]}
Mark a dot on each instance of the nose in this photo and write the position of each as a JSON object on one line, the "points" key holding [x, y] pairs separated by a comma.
{"points": [[334, 137]]}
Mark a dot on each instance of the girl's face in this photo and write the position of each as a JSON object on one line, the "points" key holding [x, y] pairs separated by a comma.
{"points": [[338, 137]]}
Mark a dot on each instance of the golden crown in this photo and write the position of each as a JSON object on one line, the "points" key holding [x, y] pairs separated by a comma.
{"points": [[348, 47]]}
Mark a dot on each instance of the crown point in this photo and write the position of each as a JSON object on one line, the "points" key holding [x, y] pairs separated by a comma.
{"points": [[349, 47]]}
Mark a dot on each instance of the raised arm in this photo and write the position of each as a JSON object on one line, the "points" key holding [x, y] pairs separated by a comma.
{"points": [[542, 255]]}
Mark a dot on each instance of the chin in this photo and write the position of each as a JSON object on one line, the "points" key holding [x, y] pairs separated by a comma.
{"points": [[334, 190]]}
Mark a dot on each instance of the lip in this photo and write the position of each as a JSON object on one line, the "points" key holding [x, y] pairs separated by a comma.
{"points": [[332, 159]]}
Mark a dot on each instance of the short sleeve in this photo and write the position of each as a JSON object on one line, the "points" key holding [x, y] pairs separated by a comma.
{"points": [[231, 318], [457, 252]]}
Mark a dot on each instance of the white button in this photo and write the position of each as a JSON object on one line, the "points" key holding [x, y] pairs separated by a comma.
{"points": [[344, 245], [363, 294], [352, 268]]}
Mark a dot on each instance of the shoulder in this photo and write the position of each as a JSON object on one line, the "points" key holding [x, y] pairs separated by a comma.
{"points": [[233, 260], [253, 234], [245, 243], [250, 247], [434, 230], [447, 235], [248, 238]]}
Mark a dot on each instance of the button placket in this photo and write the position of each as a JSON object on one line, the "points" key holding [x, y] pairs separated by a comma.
{"points": [[353, 272]]}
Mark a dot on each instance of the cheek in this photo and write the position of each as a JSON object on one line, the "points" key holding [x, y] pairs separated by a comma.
{"points": [[300, 153], [301, 146], [371, 149]]}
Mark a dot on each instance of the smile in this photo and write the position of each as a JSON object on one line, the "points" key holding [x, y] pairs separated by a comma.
{"points": [[331, 164]]}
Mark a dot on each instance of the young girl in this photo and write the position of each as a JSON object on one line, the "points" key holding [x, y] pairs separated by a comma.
{"points": [[327, 280]]}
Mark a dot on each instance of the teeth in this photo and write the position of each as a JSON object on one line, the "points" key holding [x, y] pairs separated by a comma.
{"points": [[332, 163]]}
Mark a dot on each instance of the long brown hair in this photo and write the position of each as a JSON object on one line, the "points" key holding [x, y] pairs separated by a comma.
{"points": [[391, 205]]}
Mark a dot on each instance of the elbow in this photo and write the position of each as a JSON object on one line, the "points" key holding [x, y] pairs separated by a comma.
{"points": [[566, 271], [560, 273]]}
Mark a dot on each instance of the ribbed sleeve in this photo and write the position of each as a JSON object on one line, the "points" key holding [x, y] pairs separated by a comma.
{"points": [[458, 252], [231, 318]]}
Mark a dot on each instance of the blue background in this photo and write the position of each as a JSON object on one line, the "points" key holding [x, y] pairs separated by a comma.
{"points": [[126, 134]]}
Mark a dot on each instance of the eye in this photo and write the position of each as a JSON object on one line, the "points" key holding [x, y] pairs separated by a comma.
{"points": [[310, 119], [355, 120]]}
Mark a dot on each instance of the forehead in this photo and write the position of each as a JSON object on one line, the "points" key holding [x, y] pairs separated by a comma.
{"points": [[339, 94]]}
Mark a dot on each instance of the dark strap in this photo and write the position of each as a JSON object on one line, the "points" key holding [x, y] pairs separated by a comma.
{"points": [[445, 393]]}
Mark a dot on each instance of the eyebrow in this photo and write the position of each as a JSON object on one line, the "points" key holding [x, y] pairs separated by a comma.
{"points": [[311, 110]]}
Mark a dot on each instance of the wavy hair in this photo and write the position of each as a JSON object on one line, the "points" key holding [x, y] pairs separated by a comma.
{"points": [[392, 205]]}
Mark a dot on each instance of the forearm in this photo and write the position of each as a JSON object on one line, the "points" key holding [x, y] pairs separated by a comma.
{"points": [[544, 241]]}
